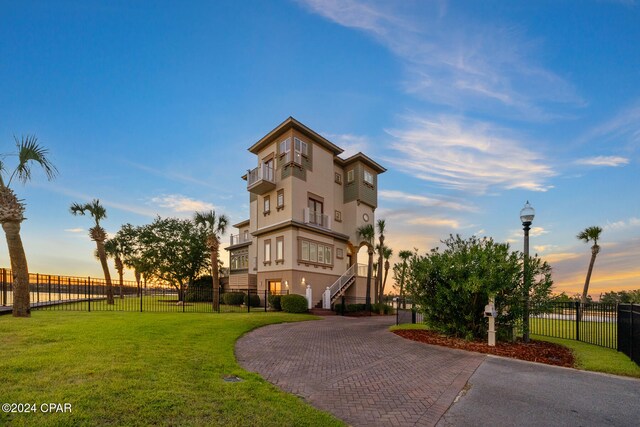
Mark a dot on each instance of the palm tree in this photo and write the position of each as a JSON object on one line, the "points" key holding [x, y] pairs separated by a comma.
{"points": [[115, 249], [215, 226], [587, 235], [386, 254], [98, 235], [28, 152], [380, 248], [367, 234], [404, 256]]}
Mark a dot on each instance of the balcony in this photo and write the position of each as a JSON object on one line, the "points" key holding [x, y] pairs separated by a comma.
{"points": [[316, 218], [261, 180], [236, 239]]}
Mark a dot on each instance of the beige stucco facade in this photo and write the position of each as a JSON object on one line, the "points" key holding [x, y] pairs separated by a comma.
{"points": [[306, 204]]}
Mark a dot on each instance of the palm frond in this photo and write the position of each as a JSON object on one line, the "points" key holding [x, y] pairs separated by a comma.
{"points": [[29, 151], [590, 234], [94, 208]]}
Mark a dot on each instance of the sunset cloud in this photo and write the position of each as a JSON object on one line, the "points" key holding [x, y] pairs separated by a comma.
{"points": [[181, 204], [613, 161]]}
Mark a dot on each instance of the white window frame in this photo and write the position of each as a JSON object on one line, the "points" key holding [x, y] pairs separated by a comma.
{"points": [[300, 148], [285, 150], [266, 204], [267, 251], [368, 177], [280, 249], [350, 175]]}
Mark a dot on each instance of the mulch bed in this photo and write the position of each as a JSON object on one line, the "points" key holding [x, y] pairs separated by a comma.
{"points": [[535, 351]]}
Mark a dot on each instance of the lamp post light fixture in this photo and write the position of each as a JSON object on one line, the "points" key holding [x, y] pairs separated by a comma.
{"points": [[526, 216]]}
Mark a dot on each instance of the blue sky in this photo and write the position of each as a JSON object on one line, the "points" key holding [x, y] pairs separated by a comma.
{"points": [[474, 108]]}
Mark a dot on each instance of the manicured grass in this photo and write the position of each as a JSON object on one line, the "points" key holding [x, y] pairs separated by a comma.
{"points": [[132, 369], [404, 326], [599, 333], [591, 357]]}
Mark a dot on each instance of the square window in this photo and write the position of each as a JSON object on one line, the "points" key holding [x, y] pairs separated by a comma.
{"points": [[338, 178], [339, 253], [338, 216], [368, 177]]}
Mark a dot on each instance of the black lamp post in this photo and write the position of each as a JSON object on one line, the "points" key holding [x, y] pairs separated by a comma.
{"points": [[526, 216]]}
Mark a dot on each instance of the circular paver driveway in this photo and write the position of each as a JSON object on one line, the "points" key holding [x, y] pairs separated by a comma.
{"points": [[359, 371]]}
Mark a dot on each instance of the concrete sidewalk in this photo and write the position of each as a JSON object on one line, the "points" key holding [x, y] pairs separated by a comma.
{"points": [[506, 392]]}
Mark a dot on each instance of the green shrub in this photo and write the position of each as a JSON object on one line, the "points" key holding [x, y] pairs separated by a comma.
{"points": [[386, 308], [200, 290], [233, 298], [274, 302], [293, 303], [253, 300]]}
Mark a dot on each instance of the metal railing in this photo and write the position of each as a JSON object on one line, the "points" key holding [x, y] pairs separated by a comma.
{"points": [[261, 173], [342, 281], [236, 239], [593, 323], [316, 218]]}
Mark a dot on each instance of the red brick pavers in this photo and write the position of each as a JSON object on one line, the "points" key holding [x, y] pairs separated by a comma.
{"points": [[358, 370]]}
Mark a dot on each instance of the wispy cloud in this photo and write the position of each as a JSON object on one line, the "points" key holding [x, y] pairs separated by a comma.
{"points": [[613, 161], [426, 201], [435, 222], [623, 128], [467, 155], [622, 224], [74, 230], [351, 144], [171, 175], [455, 60], [180, 204]]}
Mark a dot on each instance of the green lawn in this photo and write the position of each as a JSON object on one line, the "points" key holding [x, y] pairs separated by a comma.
{"points": [[594, 358], [131, 369]]}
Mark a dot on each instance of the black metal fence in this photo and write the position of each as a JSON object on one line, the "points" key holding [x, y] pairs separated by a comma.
{"points": [[357, 306], [629, 331], [407, 312], [70, 293], [593, 323]]}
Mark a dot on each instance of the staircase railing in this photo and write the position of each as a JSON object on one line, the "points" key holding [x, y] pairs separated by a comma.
{"points": [[342, 280]]}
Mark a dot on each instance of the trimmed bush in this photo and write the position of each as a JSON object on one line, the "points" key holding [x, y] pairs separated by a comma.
{"points": [[253, 300], [293, 303], [233, 298], [386, 309], [274, 302]]}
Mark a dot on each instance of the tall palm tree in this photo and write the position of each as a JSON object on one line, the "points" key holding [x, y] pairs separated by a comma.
{"points": [[386, 254], [28, 152], [215, 226], [380, 248], [590, 234], [367, 233], [98, 235], [404, 256], [114, 248]]}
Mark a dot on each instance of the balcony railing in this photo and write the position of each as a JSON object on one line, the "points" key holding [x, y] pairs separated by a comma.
{"points": [[236, 239], [316, 218], [261, 179]]}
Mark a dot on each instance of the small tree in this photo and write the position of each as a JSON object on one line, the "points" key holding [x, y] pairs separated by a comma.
{"points": [[400, 272], [590, 234], [452, 286], [215, 226], [367, 234]]}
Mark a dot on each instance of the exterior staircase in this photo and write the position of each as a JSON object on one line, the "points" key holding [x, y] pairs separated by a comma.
{"points": [[340, 286]]}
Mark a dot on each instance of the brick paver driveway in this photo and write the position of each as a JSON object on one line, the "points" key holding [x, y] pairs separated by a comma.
{"points": [[358, 371]]}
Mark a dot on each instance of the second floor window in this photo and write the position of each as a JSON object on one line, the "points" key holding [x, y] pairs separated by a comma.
{"points": [[267, 251], [368, 177]]}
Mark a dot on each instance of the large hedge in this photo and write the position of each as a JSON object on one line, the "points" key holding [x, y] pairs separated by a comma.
{"points": [[293, 303], [274, 302], [233, 298], [452, 286], [252, 299], [200, 290]]}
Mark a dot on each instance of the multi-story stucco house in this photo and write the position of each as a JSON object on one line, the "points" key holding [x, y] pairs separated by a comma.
{"points": [[306, 203]]}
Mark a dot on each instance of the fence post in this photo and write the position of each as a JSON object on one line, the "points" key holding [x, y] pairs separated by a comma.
{"points": [[248, 300], [343, 305], [89, 289], [578, 320], [398, 311], [4, 287], [140, 294], [265, 300], [38, 287], [631, 332]]}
